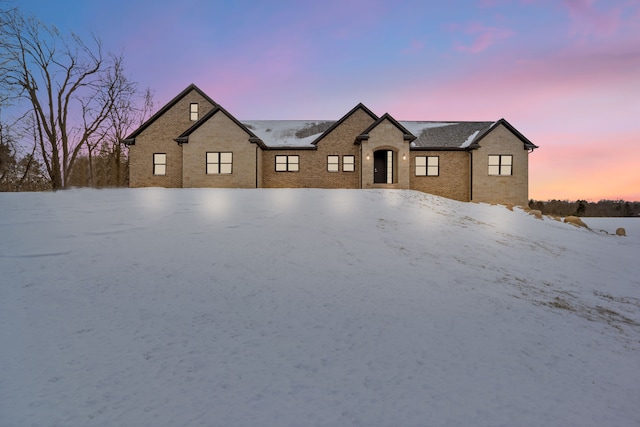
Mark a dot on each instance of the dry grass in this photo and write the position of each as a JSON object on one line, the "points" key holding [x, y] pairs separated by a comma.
{"points": [[577, 221]]}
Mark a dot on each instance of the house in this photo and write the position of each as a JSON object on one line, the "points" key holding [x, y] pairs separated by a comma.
{"points": [[194, 142]]}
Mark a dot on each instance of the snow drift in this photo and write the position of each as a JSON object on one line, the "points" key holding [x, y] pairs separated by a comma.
{"points": [[290, 307]]}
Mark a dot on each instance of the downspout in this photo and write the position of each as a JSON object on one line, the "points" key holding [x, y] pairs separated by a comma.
{"points": [[361, 163], [471, 176], [256, 165]]}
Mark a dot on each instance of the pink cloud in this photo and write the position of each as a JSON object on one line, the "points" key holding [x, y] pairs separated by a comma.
{"points": [[484, 37], [587, 21], [559, 85]]}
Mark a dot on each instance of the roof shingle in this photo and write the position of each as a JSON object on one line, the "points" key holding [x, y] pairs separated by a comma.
{"points": [[445, 134]]}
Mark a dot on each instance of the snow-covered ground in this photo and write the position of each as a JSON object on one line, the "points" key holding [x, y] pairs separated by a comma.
{"points": [[159, 307]]}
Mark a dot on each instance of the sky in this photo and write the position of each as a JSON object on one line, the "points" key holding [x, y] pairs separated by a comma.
{"points": [[565, 73]]}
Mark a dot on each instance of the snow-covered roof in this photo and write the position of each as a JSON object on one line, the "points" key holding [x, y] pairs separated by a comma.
{"points": [[288, 133], [302, 133]]}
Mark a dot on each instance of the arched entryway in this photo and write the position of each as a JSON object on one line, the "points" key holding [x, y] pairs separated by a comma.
{"points": [[383, 166]]}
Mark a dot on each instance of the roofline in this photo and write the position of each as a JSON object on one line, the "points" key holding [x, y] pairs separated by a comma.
{"points": [[527, 144], [407, 136], [438, 149], [345, 117], [184, 137], [130, 140], [292, 148]]}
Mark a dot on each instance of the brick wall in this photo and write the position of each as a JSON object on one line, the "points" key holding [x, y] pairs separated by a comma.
{"points": [[313, 171], [299, 179], [512, 189], [159, 138], [453, 179], [220, 134]]}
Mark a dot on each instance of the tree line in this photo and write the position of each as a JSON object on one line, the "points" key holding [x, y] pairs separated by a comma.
{"points": [[603, 208], [70, 104]]}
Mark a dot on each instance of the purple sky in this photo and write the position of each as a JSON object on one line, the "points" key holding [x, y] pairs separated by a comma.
{"points": [[566, 73]]}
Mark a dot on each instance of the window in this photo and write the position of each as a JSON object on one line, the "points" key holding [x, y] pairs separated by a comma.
{"points": [[333, 163], [427, 166], [219, 163], [348, 163], [287, 163], [159, 164], [193, 112], [500, 164]]}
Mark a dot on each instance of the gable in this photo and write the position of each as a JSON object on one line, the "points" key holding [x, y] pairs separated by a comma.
{"points": [[406, 135], [528, 145], [218, 110], [357, 109], [130, 140]]}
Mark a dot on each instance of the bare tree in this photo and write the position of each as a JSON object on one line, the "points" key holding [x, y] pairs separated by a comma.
{"points": [[7, 158], [121, 120], [19, 171], [72, 88]]}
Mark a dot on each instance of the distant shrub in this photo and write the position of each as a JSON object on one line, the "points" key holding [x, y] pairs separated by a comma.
{"points": [[583, 208]]}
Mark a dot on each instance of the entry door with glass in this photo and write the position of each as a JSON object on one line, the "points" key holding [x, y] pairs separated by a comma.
{"points": [[383, 167]]}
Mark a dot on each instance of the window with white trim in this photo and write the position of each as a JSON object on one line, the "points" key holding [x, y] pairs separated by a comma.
{"points": [[500, 164], [219, 163], [159, 163], [287, 163], [193, 111], [427, 166], [348, 163], [333, 163]]}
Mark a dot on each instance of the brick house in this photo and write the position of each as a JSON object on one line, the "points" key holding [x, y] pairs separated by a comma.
{"points": [[194, 142]]}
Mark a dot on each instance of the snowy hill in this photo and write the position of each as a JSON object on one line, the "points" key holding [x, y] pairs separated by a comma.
{"points": [[158, 307]]}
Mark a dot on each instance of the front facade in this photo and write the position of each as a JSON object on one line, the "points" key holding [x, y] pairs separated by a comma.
{"points": [[194, 142]]}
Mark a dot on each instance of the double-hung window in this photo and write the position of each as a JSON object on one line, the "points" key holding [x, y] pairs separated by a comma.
{"points": [[333, 163], [159, 163], [193, 112], [500, 164], [427, 166], [348, 163], [287, 163], [219, 163]]}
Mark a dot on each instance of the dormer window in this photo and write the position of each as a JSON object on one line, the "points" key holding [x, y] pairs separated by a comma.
{"points": [[193, 112]]}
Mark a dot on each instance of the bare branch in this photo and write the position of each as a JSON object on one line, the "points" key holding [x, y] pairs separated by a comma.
{"points": [[74, 90]]}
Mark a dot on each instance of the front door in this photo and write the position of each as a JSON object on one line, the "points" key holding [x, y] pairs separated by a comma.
{"points": [[383, 168]]}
